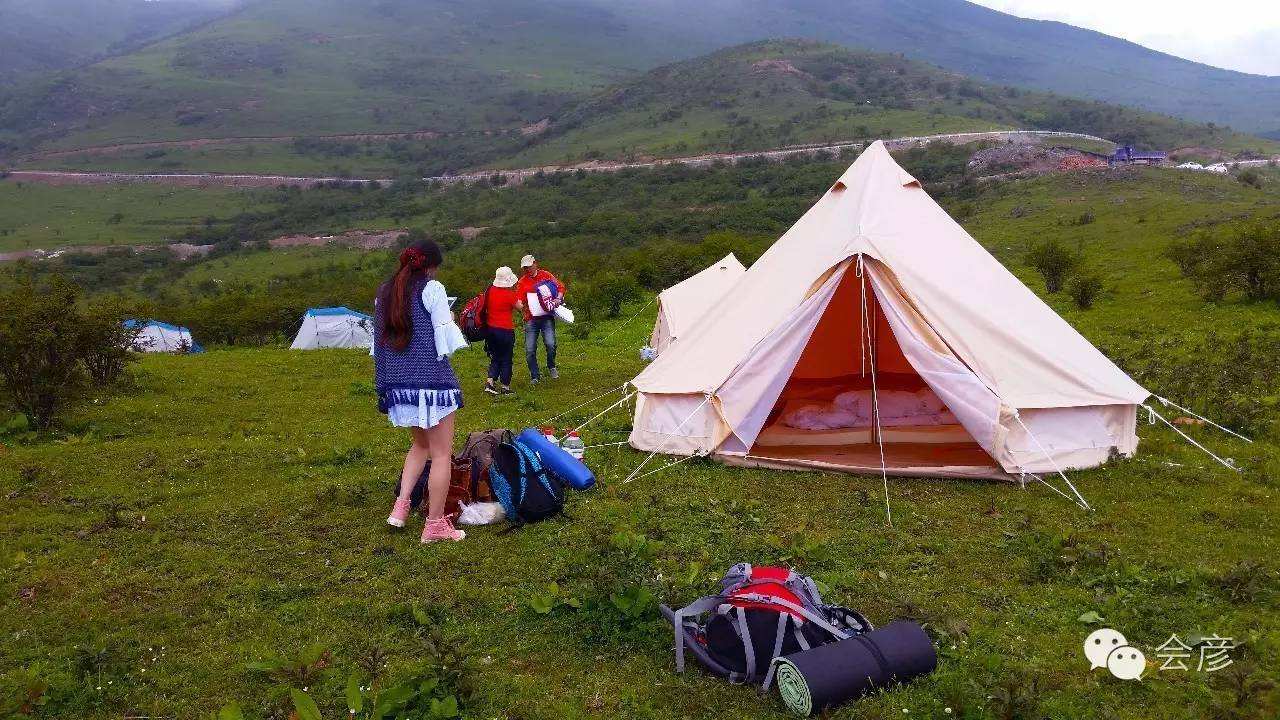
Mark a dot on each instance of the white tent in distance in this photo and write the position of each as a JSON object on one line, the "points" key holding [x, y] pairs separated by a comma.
{"points": [[334, 327], [156, 336]]}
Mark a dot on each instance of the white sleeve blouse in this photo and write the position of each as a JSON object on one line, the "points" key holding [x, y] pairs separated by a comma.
{"points": [[448, 335]]}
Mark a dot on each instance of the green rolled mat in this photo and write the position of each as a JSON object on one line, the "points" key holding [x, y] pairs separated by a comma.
{"points": [[793, 689], [826, 675]]}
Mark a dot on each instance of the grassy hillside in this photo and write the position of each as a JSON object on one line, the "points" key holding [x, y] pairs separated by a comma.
{"points": [[751, 97], [284, 67], [43, 35], [287, 67], [40, 216], [776, 93], [983, 43]]}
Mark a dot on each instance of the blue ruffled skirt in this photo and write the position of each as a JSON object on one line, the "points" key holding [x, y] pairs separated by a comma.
{"points": [[420, 408]]}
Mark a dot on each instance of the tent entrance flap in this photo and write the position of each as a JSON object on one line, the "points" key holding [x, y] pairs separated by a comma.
{"points": [[869, 353]]}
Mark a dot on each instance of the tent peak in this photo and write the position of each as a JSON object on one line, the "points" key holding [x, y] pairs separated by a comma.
{"points": [[875, 160]]}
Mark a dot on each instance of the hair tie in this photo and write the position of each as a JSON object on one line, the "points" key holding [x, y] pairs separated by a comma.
{"points": [[414, 258]]}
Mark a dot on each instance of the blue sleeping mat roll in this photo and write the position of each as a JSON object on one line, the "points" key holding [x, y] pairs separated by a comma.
{"points": [[812, 680], [570, 469]]}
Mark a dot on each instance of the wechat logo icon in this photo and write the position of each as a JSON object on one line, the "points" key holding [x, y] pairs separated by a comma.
{"points": [[1108, 648]]}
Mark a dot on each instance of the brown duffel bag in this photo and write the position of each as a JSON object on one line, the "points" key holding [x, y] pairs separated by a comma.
{"points": [[469, 474]]}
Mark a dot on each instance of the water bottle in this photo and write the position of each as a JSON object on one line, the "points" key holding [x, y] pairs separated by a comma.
{"points": [[549, 433], [573, 445]]}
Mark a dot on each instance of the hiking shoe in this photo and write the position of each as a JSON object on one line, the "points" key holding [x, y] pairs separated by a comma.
{"points": [[442, 529], [492, 390], [506, 390], [533, 381], [399, 513], [554, 373]]}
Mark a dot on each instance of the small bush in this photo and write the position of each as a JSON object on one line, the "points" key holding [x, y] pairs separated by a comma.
{"points": [[40, 349], [1243, 258], [1250, 177], [1084, 288], [1053, 262], [51, 349], [105, 342]]}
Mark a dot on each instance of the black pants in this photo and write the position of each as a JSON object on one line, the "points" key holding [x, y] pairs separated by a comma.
{"points": [[500, 345]]}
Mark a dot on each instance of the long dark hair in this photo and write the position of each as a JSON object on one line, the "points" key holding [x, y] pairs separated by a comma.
{"points": [[419, 260]]}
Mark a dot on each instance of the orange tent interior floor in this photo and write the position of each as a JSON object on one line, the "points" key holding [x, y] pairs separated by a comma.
{"points": [[836, 360]]}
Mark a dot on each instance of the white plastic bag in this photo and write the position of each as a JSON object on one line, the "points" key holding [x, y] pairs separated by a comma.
{"points": [[564, 313], [481, 513]]}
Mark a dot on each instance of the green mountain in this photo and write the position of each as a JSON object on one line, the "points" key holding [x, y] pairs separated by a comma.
{"points": [[42, 35], [751, 97], [298, 68], [982, 43], [774, 93], [303, 67]]}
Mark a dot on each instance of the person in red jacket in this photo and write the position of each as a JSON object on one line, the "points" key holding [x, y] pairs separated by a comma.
{"points": [[535, 325], [500, 332]]}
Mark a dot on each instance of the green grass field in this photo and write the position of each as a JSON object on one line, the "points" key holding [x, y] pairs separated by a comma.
{"points": [[260, 266], [43, 216], [227, 509]]}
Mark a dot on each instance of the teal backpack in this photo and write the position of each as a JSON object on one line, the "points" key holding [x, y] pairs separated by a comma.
{"points": [[527, 491]]}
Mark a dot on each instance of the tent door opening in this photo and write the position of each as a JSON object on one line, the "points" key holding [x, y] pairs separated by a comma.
{"points": [[853, 366]]}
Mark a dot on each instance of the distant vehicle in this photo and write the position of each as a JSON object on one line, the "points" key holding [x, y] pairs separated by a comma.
{"points": [[1126, 155]]}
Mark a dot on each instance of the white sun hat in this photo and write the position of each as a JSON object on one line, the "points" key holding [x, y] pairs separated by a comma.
{"points": [[504, 278], [526, 261]]}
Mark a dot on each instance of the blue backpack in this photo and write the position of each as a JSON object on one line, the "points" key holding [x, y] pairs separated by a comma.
{"points": [[527, 491]]}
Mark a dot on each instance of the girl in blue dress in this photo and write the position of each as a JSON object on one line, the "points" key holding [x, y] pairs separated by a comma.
{"points": [[416, 385]]}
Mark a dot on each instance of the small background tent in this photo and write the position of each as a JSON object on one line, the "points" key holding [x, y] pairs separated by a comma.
{"points": [[334, 327], [877, 295], [682, 304], [155, 336]]}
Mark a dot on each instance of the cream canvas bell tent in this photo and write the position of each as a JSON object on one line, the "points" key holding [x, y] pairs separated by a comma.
{"points": [[682, 304], [876, 335]]}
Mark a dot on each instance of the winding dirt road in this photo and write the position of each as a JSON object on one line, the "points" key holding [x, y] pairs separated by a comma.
{"points": [[516, 176]]}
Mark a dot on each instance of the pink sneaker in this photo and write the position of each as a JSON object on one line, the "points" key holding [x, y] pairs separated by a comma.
{"points": [[399, 513], [441, 529]]}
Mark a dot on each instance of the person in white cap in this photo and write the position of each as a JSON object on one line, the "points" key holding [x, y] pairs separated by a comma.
{"points": [[537, 324], [500, 340]]}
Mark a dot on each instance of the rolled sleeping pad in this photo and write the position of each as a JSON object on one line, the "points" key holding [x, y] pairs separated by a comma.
{"points": [[812, 680], [570, 469]]}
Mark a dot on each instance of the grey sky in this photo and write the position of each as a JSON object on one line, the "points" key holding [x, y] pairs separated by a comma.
{"points": [[1236, 34]]}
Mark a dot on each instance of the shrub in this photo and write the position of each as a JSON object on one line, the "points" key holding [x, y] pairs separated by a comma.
{"points": [[51, 348], [1243, 258], [1084, 288], [611, 292], [105, 342], [1250, 177], [40, 349], [1053, 262]]}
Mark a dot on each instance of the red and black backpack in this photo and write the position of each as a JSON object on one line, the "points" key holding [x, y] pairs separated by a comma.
{"points": [[761, 613], [474, 317]]}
